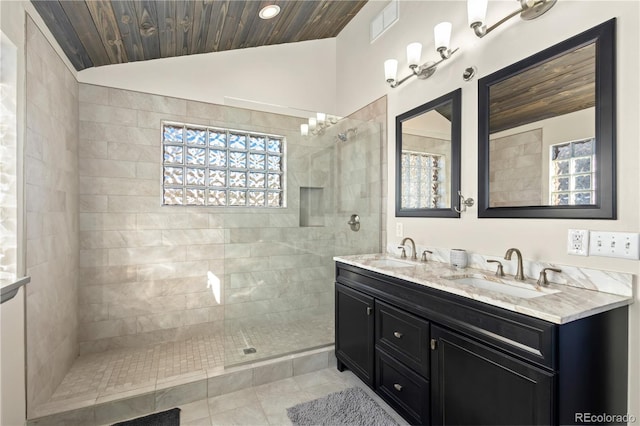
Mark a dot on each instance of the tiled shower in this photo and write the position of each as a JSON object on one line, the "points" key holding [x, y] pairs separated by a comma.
{"points": [[152, 273], [164, 291]]}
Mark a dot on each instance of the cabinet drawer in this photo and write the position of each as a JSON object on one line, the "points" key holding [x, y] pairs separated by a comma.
{"points": [[402, 388], [403, 335]]}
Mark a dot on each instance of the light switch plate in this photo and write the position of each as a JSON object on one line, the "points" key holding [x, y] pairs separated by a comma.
{"points": [[578, 242], [625, 245], [399, 230]]}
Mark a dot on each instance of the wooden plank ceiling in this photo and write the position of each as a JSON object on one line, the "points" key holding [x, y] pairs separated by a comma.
{"points": [[557, 87], [102, 32]]}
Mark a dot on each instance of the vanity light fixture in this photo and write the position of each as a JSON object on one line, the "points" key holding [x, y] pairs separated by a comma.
{"points": [[318, 124], [270, 11], [529, 9], [442, 33]]}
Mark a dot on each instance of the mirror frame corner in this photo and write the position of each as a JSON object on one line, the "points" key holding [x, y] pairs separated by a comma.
{"points": [[456, 120], [603, 36]]}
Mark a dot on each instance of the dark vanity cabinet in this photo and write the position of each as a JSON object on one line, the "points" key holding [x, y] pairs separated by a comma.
{"points": [[354, 340], [491, 387], [438, 358]]}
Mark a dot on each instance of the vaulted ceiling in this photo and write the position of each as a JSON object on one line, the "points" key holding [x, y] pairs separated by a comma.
{"points": [[102, 32]]}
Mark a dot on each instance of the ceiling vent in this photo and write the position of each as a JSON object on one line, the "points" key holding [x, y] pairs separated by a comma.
{"points": [[387, 17]]}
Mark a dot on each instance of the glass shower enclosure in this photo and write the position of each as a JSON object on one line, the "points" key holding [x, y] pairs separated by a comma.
{"points": [[278, 287]]}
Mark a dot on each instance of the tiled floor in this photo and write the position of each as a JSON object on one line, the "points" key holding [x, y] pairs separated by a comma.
{"points": [[267, 404], [276, 337], [94, 378]]}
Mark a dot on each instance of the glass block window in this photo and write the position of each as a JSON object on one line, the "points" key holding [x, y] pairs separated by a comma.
{"points": [[207, 166], [423, 183], [572, 173]]}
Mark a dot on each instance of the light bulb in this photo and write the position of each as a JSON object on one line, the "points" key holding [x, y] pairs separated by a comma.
{"points": [[476, 11], [321, 117], [312, 123], [304, 129], [414, 51], [390, 69], [442, 34]]}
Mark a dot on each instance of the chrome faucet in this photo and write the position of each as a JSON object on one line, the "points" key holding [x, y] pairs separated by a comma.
{"points": [[507, 256], [414, 255]]}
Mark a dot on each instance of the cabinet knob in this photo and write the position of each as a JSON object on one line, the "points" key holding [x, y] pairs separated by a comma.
{"points": [[397, 334], [369, 310], [434, 344], [397, 386]]}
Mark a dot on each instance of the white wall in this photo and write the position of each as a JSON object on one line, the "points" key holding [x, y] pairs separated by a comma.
{"points": [[298, 75], [361, 79], [12, 350], [12, 315]]}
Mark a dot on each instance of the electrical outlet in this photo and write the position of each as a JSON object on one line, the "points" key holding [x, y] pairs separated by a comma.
{"points": [[578, 242], [399, 230], [625, 245]]}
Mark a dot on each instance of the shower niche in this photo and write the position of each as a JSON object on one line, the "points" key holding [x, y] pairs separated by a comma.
{"points": [[311, 206]]}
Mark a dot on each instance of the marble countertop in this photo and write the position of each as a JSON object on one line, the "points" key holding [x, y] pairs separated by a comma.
{"points": [[9, 287], [564, 305]]}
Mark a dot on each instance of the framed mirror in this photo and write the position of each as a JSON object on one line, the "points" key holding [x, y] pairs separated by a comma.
{"points": [[428, 159], [546, 132]]}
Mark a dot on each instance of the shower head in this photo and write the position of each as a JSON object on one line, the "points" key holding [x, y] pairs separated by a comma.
{"points": [[344, 136]]}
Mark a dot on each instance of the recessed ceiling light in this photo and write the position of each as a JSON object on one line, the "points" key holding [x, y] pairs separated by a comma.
{"points": [[270, 11]]}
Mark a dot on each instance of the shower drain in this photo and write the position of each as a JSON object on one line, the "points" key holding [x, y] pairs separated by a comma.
{"points": [[249, 351]]}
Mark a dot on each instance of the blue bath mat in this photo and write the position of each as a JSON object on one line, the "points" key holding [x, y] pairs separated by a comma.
{"points": [[163, 418]]}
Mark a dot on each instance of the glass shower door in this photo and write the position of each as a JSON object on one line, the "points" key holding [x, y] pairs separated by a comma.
{"points": [[279, 297]]}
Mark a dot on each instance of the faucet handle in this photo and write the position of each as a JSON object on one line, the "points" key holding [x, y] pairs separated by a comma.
{"points": [[500, 270], [542, 280], [424, 255], [403, 254]]}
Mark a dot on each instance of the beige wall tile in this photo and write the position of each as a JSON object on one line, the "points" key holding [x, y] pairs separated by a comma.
{"points": [[144, 255], [108, 114], [158, 257], [94, 94], [52, 252], [147, 102], [187, 236]]}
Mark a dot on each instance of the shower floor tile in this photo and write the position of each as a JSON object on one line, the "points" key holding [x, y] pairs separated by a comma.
{"points": [[106, 375]]}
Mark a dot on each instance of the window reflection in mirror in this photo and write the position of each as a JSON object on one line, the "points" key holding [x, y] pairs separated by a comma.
{"points": [[428, 158], [542, 128]]}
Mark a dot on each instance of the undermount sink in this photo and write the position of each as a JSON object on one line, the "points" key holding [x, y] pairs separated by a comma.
{"points": [[390, 263], [500, 285]]}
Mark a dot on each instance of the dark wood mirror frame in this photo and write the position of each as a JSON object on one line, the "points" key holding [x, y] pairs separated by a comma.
{"points": [[603, 36], [455, 99]]}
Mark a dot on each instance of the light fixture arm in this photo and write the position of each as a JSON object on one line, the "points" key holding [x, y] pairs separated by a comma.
{"points": [[529, 9], [481, 30], [425, 70]]}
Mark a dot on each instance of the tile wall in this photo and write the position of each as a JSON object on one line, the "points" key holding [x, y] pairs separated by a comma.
{"points": [[144, 267], [516, 175], [51, 180]]}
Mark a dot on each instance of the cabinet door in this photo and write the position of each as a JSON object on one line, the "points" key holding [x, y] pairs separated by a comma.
{"points": [[354, 332], [473, 384]]}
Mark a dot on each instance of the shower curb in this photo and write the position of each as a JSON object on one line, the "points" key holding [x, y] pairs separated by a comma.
{"points": [[180, 390]]}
